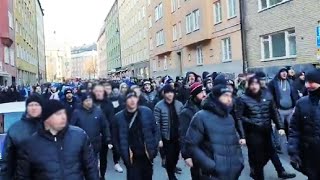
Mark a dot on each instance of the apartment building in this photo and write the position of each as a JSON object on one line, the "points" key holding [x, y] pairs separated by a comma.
{"points": [[102, 53], [133, 22], [113, 40], [7, 43], [194, 36], [281, 33], [41, 56]]}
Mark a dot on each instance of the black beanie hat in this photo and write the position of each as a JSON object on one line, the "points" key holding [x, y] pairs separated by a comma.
{"points": [[67, 91], [34, 98], [220, 89], [131, 94], [261, 75], [51, 107], [313, 76], [167, 88], [253, 79], [220, 79], [86, 96]]}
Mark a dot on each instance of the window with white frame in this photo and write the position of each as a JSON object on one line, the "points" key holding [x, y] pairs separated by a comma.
{"points": [[160, 38], [226, 50], [278, 45], [180, 29], [217, 12], [151, 44], [199, 55], [143, 11], [150, 22], [10, 18], [12, 56], [174, 32], [165, 63], [173, 5], [193, 21], [159, 12], [6, 55], [179, 3], [231, 8], [263, 4]]}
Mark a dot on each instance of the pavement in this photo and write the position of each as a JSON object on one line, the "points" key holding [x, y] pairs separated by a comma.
{"points": [[159, 173]]}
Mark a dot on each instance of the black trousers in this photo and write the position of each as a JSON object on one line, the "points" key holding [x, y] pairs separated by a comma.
{"points": [[140, 169], [103, 155], [171, 151], [195, 174]]}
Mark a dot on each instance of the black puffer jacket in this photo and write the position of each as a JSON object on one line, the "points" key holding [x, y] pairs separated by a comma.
{"points": [[212, 139], [17, 134], [188, 111], [69, 155], [256, 112], [107, 108], [120, 133], [304, 133], [94, 123], [162, 116], [70, 106]]}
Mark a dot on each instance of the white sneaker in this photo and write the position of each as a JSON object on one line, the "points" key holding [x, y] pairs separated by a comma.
{"points": [[118, 168]]}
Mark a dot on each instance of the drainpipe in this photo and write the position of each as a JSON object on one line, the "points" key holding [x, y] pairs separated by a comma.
{"points": [[243, 36]]}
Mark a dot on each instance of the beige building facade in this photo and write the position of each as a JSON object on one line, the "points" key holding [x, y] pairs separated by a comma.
{"points": [[194, 36], [133, 23], [102, 53]]}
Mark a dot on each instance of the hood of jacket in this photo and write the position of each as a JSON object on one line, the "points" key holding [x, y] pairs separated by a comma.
{"points": [[212, 104]]}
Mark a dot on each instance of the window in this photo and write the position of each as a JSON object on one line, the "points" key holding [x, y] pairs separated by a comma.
{"points": [[10, 18], [143, 11], [12, 56], [160, 38], [158, 12], [165, 63], [6, 55], [278, 45], [193, 21], [174, 32], [189, 57], [217, 12], [150, 22], [226, 50], [180, 30], [173, 5], [199, 55], [149, 1], [231, 8], [151, 44], [263, 4], [179, 3]]}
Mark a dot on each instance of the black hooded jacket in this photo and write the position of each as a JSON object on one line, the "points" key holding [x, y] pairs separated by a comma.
{"points": [[17, 134], [213, 141], [68, 155], [107, 108]]}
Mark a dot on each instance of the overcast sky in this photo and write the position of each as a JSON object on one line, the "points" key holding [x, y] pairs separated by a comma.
{"points": [[75, 21]]}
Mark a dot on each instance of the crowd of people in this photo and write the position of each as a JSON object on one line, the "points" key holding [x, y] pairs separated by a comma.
{"points": [[67, 131]]}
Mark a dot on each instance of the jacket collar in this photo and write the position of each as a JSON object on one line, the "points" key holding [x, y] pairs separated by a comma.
{"points": [[213, 105], [47, 134]]}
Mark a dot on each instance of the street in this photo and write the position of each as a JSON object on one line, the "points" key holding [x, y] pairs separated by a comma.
{"points": [[160, 174]]}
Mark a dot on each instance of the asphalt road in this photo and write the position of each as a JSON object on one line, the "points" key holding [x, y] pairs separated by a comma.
{"points": [[160, 173]]}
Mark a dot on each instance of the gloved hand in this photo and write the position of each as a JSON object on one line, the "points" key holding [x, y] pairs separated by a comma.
{"points": [[296, 162]]}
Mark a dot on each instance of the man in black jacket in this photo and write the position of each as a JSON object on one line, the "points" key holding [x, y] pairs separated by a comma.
{"points": [[57, 150], [21, 131], [70, 102], [92, 120], [304, 134], [136, 138], [212, 139], [256, 109], [192, 106], [166, 113], [101, 101]]}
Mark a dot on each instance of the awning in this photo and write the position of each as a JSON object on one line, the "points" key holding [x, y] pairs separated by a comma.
{"points": [[4, 74]]}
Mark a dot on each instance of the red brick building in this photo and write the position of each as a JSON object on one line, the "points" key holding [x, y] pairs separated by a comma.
{"points": [[7, 49]]}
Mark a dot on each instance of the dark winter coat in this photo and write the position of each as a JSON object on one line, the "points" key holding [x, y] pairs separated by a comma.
{"points": [[118, 103], [213, 142], [299, 85], [95, 124], [17, 134], [256, 113], [304, 133], [275, 91], [107, 108], [69, 155], [151, 98], [71, 106], [188, 111], [120, 133], [162, 117]]}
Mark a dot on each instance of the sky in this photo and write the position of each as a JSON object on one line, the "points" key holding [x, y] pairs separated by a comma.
{"points": [[76, 22]]}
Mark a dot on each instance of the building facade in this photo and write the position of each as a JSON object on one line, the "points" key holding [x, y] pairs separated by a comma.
{"points": [[7, 43], [41, 44], [133, 22], [113, 40], [84, 62], [102, 53], [281, 33], [194, 36], [26, 41]]}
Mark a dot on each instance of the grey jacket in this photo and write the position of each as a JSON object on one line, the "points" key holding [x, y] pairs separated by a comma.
{"points": [[161, 114]]}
